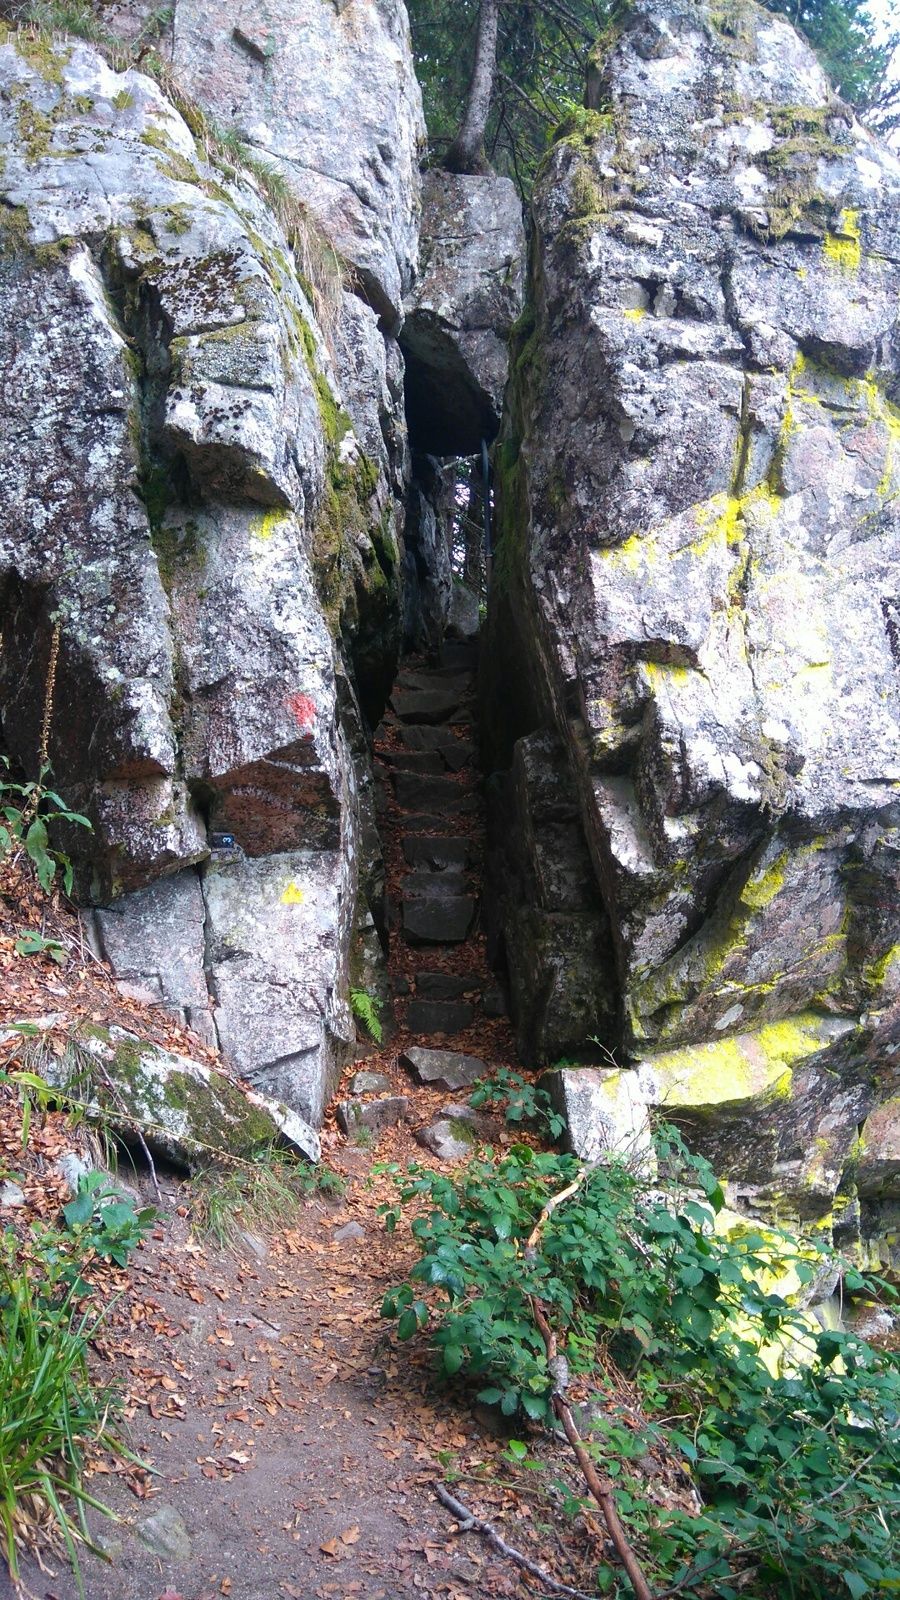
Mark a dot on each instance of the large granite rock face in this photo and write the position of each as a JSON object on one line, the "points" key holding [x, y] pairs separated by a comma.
{"points": [[697, 579], [327, 94], [217, 536], [459, 318]]}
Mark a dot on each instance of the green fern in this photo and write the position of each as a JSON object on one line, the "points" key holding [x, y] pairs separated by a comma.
{"points": [[367, 1008]]}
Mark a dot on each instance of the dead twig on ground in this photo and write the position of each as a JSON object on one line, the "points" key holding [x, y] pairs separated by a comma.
{"points": [[468, 1522]]}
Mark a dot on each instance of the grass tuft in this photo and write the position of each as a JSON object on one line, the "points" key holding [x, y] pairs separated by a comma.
{"points": [[264, 1195], [52, 1414]]}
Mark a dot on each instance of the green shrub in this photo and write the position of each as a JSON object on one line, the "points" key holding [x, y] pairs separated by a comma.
{"points": [[104, 1221], [794, 1451], [522, 1102]]}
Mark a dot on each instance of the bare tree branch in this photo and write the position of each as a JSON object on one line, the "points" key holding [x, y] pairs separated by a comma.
{"points": [[601, 1488], [468, 1521]]}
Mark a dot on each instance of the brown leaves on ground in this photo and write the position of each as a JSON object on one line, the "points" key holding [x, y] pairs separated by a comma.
{"points": [[80, 988]]}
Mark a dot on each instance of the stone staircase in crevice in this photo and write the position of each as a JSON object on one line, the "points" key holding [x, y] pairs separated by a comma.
{"points": [[432, 827]]}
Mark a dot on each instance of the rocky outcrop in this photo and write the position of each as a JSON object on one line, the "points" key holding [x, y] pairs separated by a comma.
{"points": [[696, 584], [327, 94], [219, 540], [469, 294], [178, 1106]]}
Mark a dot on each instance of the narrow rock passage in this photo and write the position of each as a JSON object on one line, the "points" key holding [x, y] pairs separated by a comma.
{"points": [[449, 1011]]}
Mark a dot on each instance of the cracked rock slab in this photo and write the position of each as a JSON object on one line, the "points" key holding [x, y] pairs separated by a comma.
{"points": [[700, 493], [186, 1110], [469, 294]]}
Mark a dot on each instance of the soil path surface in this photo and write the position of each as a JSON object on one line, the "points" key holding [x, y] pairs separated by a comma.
{"points": [[292, 1444]]}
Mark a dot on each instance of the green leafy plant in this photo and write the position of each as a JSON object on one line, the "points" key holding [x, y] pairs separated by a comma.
{"points": [[791, 1434], [35, 944], [367, 1008], [522, 1101], [363, 1137], [106, 1222], [26, 810]]}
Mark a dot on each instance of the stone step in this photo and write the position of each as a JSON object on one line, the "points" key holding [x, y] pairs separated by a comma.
{"points": [[443, 1069], [446, 985], [423, 823], [430, 761], [455, 750], [429, 884], [440, 853], [459, 753], [420, 791], [439, 1016], [425, 705], [459, 683], [420, 736], [444, 919], [458, 655]]}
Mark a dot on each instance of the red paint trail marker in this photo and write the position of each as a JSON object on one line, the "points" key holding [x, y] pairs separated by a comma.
{"points": [[303, 709]]}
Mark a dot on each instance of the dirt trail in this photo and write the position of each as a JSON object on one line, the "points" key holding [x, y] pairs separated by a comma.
{"points": [[292, 1444]]}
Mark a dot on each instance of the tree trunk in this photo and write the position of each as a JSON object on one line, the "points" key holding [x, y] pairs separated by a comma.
{"points": [[466, 154]]}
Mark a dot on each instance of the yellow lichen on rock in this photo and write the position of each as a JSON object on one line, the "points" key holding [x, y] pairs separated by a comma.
{"points": [[746, 1067], [843, 246]]}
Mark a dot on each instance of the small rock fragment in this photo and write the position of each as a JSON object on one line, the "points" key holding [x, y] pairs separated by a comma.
{"points": [[257, 1246], [72, 1166], [443, 1069], [165, 1534], [350, 1231], [372, 1114], [450, 1139], [369, 1083]]}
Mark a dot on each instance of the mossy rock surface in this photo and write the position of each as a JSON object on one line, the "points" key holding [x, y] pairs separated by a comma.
{"points": [[185, 1109]]}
